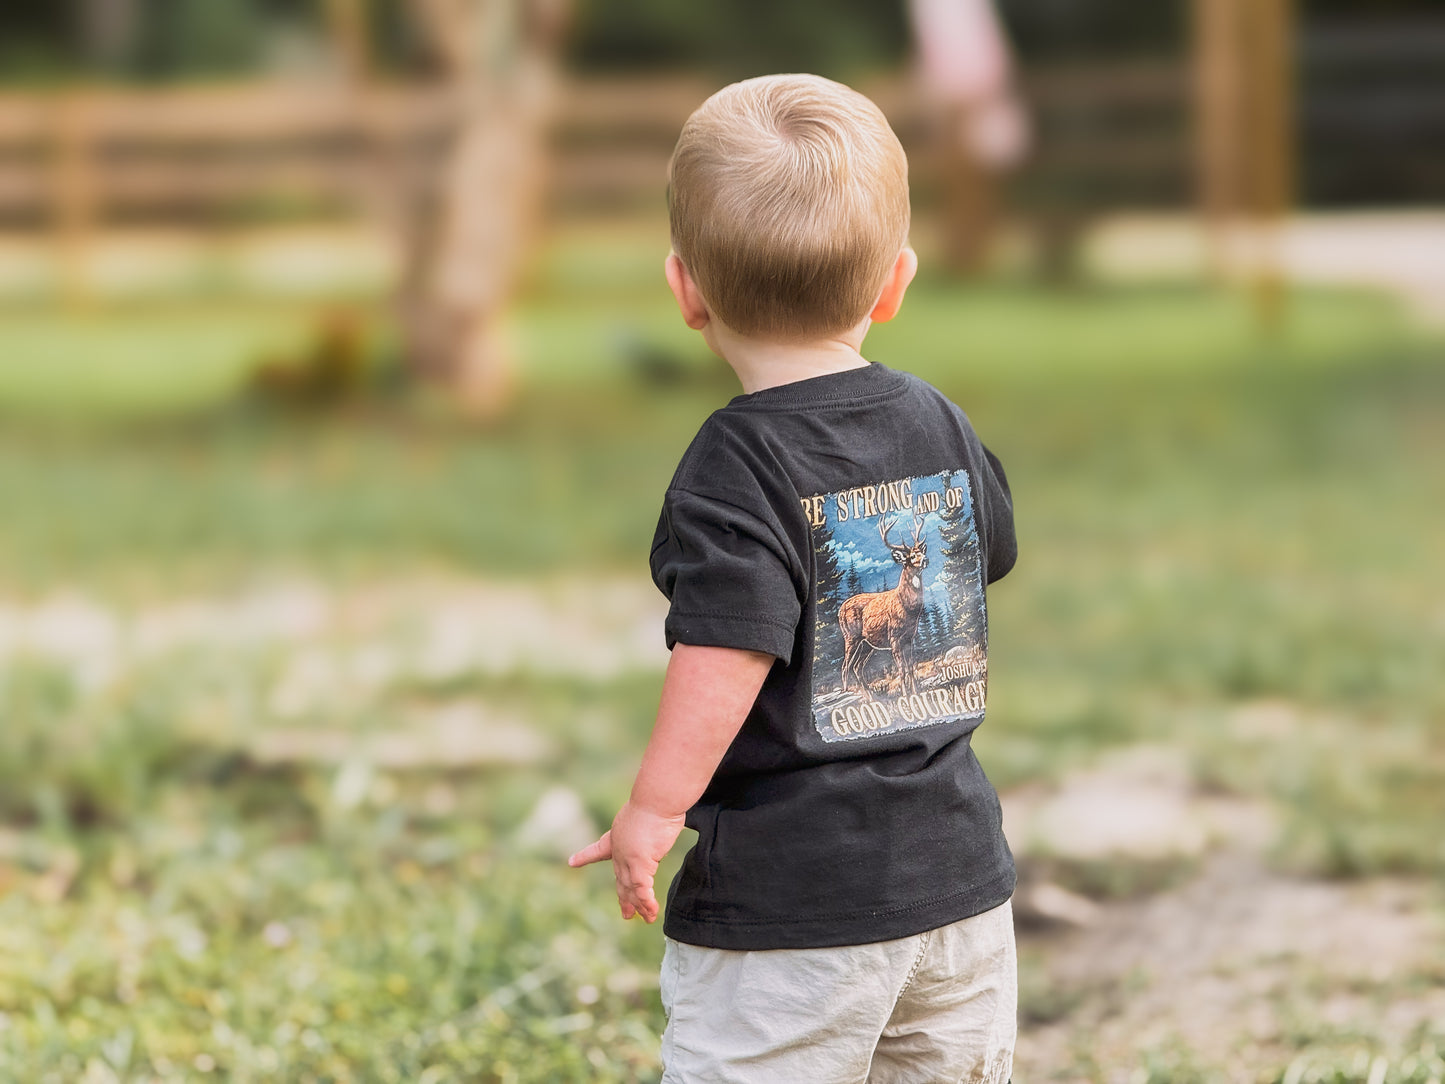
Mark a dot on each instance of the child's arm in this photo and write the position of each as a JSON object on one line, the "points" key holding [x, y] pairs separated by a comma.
{"points": [[706, 696]]}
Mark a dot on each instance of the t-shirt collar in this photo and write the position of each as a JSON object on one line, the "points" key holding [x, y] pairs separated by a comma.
{"points": [[866, 380]]}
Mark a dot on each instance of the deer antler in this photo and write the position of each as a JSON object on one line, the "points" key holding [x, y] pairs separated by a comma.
{"points": [[918, 522], [884, 526]]}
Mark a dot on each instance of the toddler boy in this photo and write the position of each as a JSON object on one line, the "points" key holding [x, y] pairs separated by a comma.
{"points": [[824, 545]]}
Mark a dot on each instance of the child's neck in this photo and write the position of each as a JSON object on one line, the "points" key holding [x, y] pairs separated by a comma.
{"points": [[761, 363]]}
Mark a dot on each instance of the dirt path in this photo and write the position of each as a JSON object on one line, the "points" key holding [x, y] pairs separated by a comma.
{"points": [[1231, 969], [1234, 968], [1402, 252], [430, 628]]}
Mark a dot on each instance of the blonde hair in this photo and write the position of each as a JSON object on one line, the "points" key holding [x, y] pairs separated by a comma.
{"points": [[788, 199]]}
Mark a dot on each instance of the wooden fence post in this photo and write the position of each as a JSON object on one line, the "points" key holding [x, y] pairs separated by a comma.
{"points": [[1216, 109], [1243, 73], [74, 200], [1267, 146]]}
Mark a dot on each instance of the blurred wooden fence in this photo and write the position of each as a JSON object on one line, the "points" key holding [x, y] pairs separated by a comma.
{"points": [[1123, 131], [81, 160], [1371, 117], [1108, 135]]}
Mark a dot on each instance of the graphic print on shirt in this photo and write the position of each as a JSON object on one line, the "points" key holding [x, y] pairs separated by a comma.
{"points": [[901, 628]]}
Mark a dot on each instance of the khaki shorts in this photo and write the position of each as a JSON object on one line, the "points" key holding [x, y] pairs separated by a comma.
{"points": [[939, 1006]]}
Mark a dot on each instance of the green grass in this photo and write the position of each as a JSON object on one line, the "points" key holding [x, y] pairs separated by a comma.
{"points": [[595, 311], [257, 921], [150, 360], [1208, 520]]}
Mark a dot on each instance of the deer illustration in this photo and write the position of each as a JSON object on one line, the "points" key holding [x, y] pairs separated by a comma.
{"points": [[886, 620]]}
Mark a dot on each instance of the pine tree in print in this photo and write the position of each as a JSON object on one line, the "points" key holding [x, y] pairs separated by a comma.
{"points": [[933, 631], [945, 621], [944, 640], [828, 641], [960, 540], [923, 635]]}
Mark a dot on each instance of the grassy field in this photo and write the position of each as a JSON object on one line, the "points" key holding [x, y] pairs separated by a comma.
{"points": [[1208, 520]]}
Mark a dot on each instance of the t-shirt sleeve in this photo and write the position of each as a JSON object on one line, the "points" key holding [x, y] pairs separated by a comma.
{"points": [[1001, 544], [726, 574]]}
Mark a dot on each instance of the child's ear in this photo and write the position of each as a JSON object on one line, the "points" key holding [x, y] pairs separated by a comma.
{"points": [[891, 299], [689, 299]]}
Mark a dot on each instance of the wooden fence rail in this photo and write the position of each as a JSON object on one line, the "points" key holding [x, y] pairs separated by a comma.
{"points": [[83, 158], [1107, 134]]}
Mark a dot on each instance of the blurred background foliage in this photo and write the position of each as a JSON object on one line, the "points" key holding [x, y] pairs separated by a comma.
{"points": [[1368, 69], [187, 38]]}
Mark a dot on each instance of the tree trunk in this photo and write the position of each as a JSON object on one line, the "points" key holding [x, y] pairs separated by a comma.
{"points": [[466, 235]]}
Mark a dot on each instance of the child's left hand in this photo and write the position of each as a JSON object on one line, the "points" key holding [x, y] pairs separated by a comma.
{"points": [[638, 841], [705, 699]]}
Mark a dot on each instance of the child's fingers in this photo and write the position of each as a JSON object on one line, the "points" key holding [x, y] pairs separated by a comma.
{"points": [[646, 908], [641, 899], [635, 894], [593, 852]]}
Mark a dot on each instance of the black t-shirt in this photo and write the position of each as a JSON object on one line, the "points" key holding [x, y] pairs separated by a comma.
{"points": [[847, 525]]}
